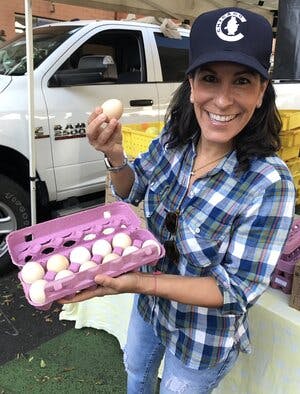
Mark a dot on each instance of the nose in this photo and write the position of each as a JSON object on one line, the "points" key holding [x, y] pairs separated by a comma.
{"points": [[224, 96]]}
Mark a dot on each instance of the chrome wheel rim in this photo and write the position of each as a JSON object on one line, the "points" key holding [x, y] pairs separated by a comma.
{"points": [[8, 223]]}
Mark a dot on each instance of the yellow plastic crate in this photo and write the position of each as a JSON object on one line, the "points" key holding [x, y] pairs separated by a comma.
{"points": [[296, 179], [137, 137], [296, 140], [290, 119], [294, 165], [290, 138], [289, 153], [287, 139]]}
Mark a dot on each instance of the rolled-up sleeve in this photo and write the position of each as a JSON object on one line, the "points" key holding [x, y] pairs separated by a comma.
{"points": [[258, 237]]}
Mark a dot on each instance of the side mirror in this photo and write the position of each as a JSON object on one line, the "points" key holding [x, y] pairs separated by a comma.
{"points": [[91, 70]]}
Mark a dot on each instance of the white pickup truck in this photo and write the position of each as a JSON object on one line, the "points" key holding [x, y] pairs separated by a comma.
{"points": [[77, 66]]}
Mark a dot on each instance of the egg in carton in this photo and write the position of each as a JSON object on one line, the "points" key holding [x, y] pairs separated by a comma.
{"points": [[62, 256]]}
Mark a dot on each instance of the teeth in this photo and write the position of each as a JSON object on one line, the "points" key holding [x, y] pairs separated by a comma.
{"points": [[221, 118]]}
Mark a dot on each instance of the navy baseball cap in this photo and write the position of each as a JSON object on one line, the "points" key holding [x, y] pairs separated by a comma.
{"points": [[231, 34]]}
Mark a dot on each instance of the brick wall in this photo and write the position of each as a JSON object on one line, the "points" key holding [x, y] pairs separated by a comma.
{"points": [[49, 10]]}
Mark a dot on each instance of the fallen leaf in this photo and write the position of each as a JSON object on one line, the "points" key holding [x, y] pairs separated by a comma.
{"points": [[42, 363], [69, 369]]}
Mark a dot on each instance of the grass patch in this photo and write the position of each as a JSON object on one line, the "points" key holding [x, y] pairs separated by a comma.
{"points": [[79, 361]]}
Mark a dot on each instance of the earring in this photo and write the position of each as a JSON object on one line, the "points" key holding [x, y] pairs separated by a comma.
{"points": [[191, 99], [258, 105]]}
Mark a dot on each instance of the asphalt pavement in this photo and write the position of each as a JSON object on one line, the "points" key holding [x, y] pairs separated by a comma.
{"points": [[22, 327]]}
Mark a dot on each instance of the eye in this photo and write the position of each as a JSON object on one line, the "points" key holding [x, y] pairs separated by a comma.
{"points": [[209, 78], [242, 81]]}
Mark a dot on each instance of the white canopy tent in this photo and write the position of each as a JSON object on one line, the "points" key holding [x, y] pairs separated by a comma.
{"points": [[175, 9]]}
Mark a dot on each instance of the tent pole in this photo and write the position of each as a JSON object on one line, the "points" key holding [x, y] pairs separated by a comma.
{"points": [[31, 139]]}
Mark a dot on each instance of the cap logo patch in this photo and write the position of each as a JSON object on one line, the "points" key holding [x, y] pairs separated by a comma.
{"points": [[227, 26]]}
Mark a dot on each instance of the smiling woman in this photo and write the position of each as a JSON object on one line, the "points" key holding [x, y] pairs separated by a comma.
{"points": [[217, 196]]}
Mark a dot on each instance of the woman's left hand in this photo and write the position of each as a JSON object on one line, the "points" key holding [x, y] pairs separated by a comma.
{"points": [[126, 283]]}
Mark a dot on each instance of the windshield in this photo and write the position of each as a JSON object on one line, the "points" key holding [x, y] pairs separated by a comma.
{"points": [[45, 41]]}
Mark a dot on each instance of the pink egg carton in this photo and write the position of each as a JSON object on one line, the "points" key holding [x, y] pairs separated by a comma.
{"points": [[60, 236], [282, 277]]}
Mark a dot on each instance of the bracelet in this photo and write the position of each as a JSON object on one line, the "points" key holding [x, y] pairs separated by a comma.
{"points": [[109, 167]]}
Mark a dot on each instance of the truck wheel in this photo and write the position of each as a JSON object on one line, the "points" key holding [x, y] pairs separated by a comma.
{"points": [[14, 214]]}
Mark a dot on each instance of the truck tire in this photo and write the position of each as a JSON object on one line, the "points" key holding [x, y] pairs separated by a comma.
{"points": [[14, 214]]}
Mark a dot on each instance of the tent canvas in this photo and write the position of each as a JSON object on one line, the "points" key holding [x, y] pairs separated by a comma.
{"points": [[178, 9]]}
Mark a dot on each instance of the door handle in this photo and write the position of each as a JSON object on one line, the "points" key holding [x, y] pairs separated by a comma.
{"points": [[141, 103]]}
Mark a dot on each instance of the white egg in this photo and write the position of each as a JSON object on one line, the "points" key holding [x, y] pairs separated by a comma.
{"points": [[151, 242], [87, 265], [57, 262], [129, 249], [63, 274], [113, 108], [37, 291], [32, 271], [110, 257], [80, 254], [101, 247], [121, 240]]}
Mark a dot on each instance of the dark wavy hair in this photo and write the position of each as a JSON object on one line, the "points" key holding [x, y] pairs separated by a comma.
{"points": [[259, 138]]}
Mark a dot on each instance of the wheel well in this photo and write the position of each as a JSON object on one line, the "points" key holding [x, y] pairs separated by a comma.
{"points": [[16, 166]]}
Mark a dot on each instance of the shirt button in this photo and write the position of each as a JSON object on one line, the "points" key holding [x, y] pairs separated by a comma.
{"points": [[191, 194], [197, 230]]}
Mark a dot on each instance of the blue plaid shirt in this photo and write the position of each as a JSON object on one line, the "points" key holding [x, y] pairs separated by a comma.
{"points": [[232, 227]]}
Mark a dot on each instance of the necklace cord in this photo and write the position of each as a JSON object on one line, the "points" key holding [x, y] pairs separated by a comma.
{"points": [[207, 164]]}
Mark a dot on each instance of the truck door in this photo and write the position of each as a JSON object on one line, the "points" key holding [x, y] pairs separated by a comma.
{"points": [[74, 88], [171, 58]]}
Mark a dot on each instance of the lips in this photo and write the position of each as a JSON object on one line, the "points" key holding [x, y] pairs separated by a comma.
{"points": [[221, 118]]}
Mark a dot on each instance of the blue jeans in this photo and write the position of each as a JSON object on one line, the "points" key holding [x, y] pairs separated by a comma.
{"points": [[143, 354]]}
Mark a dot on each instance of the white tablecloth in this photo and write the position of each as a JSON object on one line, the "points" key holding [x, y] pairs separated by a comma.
{"points": [[272, 368]]}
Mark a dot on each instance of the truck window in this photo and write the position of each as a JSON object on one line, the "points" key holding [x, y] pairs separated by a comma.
{"points": [[118, 53], [45, 40], [174, 56]]}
